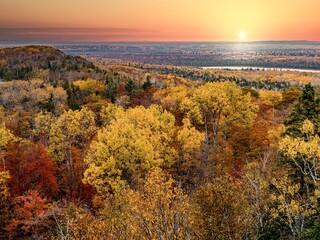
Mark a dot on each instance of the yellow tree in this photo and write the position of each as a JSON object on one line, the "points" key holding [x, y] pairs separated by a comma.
{"points": [[225, 211], [72, 129], [256, 178], [42, 125], [171, 97], [90, 86], [219, 104], [162, 211], [135, 141], [238, 113], [4, 178], [289, 207], [62, 137], [304, 151], [6, 137], [189, 141], [108, 113], [4, 203], [87, 129], [32, 94], [159, 210], [270, 98], [297, 202], [58, 96]]}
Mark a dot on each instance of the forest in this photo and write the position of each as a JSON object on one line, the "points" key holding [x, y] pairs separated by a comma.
{"points": [[100, 150]]}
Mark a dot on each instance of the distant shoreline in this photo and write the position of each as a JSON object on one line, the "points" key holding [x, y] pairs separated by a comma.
{"points": [[239, 68]]}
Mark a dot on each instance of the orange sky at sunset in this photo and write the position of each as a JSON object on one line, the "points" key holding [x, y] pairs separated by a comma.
{"points": [[163, 20]]}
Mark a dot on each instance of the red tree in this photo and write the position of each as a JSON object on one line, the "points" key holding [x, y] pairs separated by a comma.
{"points": [[28, 216], [31, 168]]}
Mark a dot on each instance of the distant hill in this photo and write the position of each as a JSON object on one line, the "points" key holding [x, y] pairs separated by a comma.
{"points": [[46, 63]]}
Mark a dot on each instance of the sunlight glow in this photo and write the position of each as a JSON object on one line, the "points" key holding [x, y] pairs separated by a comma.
{"points": [[242, 35]]}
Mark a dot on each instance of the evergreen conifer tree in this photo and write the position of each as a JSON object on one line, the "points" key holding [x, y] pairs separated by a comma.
{"points": [[306, 108]]}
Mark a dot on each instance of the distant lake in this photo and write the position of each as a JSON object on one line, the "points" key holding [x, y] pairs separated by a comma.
{"points": [[245, 68]]}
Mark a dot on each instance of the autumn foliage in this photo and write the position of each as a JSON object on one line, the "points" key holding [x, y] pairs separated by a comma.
{"points": [[149, 156]]}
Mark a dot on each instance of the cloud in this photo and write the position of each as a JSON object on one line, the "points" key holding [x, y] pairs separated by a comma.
{"points": [[72, 34]]}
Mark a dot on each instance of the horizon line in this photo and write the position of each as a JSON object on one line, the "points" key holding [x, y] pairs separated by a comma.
{"points": [[151, 41]]}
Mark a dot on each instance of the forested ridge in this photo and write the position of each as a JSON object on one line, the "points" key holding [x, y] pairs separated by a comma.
{"points": [[90, 151], [43, 62]]}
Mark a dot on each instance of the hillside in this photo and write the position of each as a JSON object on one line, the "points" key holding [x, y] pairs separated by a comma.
{"points": [[44, 62]]}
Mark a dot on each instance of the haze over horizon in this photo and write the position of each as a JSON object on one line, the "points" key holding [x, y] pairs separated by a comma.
{"points": [[142, 20]]}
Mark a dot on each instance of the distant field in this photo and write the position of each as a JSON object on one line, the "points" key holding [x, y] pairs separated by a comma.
{"points": [[297, 55]]}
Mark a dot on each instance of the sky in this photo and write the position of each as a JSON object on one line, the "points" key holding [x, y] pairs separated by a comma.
{"points": [[159, 20]]}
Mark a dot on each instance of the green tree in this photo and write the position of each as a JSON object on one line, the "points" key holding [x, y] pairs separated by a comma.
{"points": [[306, 108], [71, 100], [130, 86], [147, 84]]}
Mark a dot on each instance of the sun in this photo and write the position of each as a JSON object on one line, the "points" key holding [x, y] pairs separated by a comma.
{"points": [[242, 35]]}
